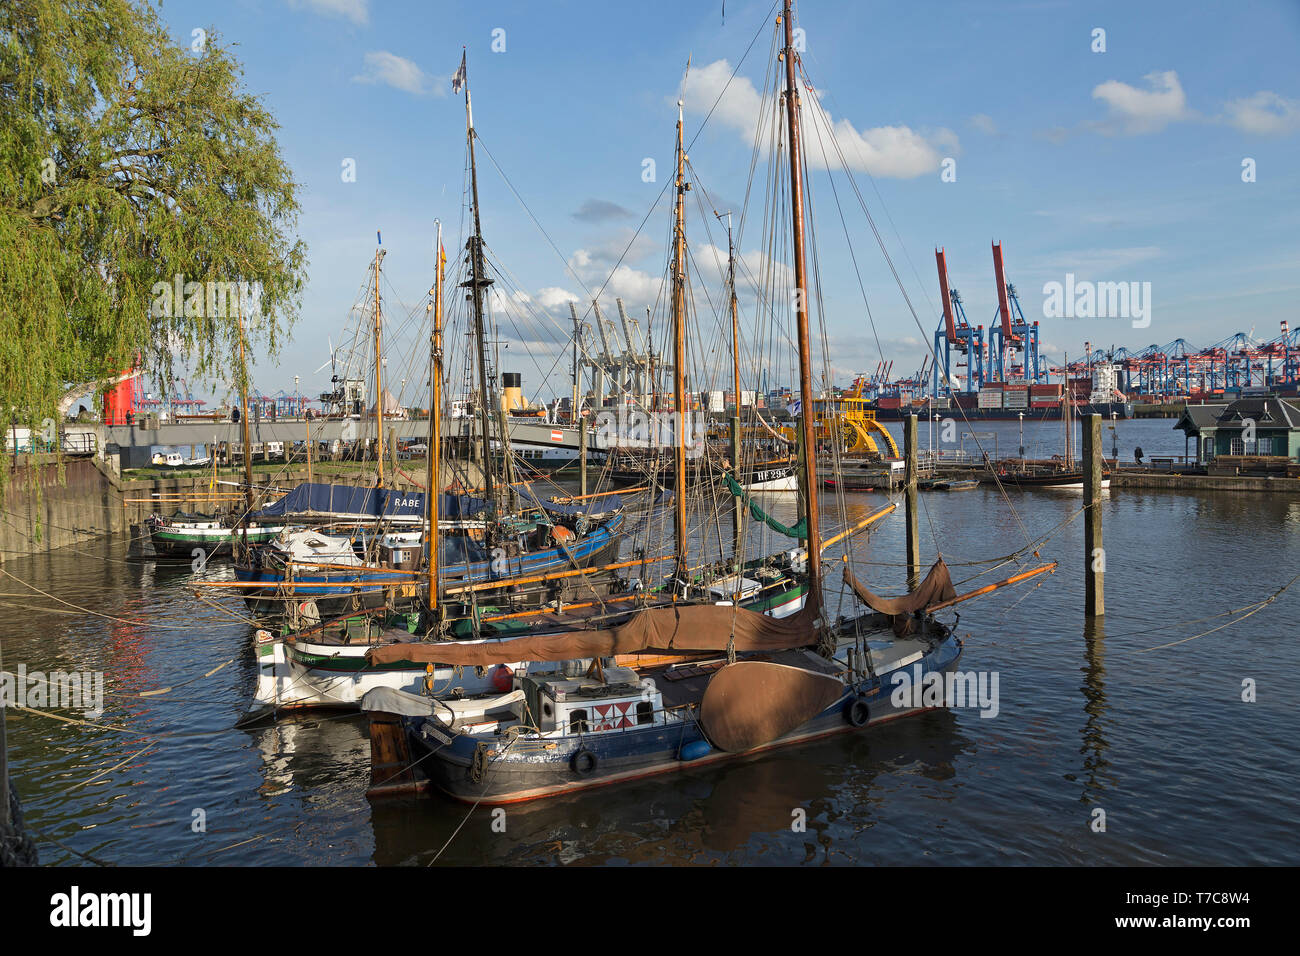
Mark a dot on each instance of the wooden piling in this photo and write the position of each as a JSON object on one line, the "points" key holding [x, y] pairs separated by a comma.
{"points": [[909, 491], [1094, 554]]}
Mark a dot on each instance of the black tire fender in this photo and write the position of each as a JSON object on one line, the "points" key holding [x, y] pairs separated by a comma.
{"points": [[857, 712], [583, 762]]}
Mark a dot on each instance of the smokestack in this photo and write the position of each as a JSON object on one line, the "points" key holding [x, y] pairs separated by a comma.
{"points": [[512, 393]]}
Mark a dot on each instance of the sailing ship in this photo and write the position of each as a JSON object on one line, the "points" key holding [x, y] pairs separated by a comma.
{"points": [[676, 685], [327, 663], [215, 535]]}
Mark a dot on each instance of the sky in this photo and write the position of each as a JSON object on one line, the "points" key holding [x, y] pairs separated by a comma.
{"points": [[1161, 151]]}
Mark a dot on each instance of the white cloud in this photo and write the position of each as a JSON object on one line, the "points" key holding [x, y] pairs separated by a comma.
{"points": [[553, 298], [1264, 114], [896, 151], [355, 10], [1148, 110], [398, 72], [1098, 263], [984, 123]]}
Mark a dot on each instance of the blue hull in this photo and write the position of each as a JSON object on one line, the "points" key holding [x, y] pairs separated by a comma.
{"points": [[367, 588], [533, 769]]}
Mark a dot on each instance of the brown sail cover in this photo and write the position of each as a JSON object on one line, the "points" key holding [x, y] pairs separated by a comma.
{"points": [[936, 588], [751, 703], [676, 627]]}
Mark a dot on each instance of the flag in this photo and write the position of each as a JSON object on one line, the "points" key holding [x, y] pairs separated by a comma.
{"points": [[793, 406], [458, 78]]}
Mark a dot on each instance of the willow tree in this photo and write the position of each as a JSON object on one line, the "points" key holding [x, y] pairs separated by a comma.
{"points": [[130, 165]]}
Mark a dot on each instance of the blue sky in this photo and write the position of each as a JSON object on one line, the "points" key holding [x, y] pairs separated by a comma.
{"points": [[1123, 165]]}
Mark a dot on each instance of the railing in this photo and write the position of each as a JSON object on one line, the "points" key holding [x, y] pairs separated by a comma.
{"points": [[79, 443]]}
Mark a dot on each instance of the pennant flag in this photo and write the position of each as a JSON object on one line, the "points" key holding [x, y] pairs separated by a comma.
{"points": [[458, 79], [379, 240]]}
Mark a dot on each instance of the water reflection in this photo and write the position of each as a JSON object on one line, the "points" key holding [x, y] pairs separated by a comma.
{"points": [[1096, 768]]}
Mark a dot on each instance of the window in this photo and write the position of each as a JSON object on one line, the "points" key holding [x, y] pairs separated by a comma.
{"points": [[577, 721], [645, 712], [1264, 446], [1237, 447], [1208, 446]]}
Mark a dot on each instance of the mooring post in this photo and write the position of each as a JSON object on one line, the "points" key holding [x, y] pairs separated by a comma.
{"points": [[909, 491], [582, 457], [1094, 554]]}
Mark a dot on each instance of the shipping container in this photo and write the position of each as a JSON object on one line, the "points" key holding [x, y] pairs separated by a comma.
{"points": [[990, 398]]}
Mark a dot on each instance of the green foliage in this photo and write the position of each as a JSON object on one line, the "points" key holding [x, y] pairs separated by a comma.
{"points": [[126, 160]]}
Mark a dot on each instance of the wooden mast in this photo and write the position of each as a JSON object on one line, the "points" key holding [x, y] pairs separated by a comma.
{"points": [[433, 481], [808, 464], [738, 513], [680, 413], [477, 283], [379, 382]]}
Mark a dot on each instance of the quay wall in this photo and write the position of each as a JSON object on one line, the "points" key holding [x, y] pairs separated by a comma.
{"points": [[43, 510]]}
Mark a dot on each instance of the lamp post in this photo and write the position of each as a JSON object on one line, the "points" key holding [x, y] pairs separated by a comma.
{"points": [[1022, 436]]}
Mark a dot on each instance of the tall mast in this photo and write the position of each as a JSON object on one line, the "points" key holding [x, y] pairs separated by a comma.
{"points": [[738, 515], [478, 282], [379, 381], [433, 482], [808, 464], [577, 373], [679, 351]]}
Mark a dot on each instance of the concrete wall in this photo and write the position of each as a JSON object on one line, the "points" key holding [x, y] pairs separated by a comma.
{"points": [[43, 512], [1206, 483]]}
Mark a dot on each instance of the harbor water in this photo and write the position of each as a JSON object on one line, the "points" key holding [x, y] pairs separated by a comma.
{"points": [[1180, 730]]}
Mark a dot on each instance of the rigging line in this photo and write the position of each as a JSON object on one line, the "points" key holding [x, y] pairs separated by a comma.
{"points": [[1255, 609], [115, 766], [830, 97], [657, 199], [501, 753], [67, 849], [107, 617], [915, 318]]}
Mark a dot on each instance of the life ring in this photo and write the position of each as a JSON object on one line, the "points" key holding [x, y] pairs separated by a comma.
{"points": [[583, 762], [856, 712]]}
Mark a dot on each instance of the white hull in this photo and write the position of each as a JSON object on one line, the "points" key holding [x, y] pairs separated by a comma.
{"points": [[286, 682], [784, 483]]}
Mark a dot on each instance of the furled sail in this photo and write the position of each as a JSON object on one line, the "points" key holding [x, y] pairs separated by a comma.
{"points": [[799, 530], [936, 588], [685, 628]]}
